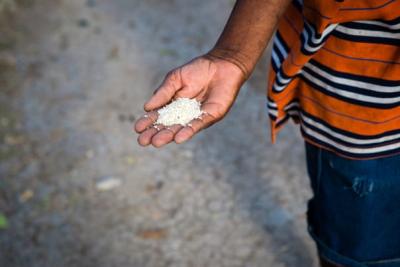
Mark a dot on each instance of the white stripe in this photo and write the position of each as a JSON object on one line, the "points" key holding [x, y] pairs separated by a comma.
{"points": [[279, 88], [314, 40], [349, 149], [293, 104], [280, 47], [379, 23], [351, 95], [328, 30], [281, 79], [346, 138], [307, 46], [367, 33], [272, 104], [336, 134], [273, 112], [355, 83], [293, 112], [275, 58]]}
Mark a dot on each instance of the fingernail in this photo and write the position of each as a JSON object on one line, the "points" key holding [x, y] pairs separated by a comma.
{"points": [[146, 106]]}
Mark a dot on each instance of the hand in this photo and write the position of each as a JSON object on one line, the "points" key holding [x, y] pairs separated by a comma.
{"points": [[214, 82]]}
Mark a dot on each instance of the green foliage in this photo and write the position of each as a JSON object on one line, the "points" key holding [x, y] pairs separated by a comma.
{"points": [[3, 222]]}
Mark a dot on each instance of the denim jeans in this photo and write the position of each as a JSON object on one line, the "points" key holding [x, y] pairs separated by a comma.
{"points": [[354, 215]]}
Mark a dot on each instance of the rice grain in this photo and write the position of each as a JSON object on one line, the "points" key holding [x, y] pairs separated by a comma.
{"points": [[181, 111]]}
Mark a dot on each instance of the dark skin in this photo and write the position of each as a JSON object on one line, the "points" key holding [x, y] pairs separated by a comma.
{"points": [[215, 78], [205, 79]]}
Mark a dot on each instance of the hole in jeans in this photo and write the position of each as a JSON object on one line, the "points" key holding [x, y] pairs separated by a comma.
{"points": [[362, 186]]}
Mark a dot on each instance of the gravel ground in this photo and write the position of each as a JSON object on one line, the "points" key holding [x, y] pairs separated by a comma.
{"points": [[75, 187]]}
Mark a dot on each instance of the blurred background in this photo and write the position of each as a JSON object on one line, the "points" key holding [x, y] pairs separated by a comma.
{"points": [[75, 187]]}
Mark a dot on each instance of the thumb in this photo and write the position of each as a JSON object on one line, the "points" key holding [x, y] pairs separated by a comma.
{"points": [[165, 92]]}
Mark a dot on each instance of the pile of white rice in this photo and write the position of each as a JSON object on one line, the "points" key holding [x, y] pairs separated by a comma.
{"points": [[181, 111]]}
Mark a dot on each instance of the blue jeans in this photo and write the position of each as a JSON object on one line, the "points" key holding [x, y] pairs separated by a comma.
{"points": [[354, 215]]}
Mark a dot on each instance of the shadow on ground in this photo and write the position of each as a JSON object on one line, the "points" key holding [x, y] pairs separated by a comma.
{"points": [[76, 189]]}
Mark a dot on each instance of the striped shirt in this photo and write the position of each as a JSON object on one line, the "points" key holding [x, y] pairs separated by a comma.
{"points": [[335, 69]]}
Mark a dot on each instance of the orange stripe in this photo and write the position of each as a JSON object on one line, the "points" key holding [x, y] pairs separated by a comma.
{"points": [[378, 61], [354, 118], [368, 10], [366, 59]]}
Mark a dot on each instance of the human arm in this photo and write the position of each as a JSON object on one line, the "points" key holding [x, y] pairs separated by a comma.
{"points": [[248, 31], [216, 77]]}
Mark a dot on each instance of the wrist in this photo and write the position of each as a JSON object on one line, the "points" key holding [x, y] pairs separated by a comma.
{"points": [[232, 57]]}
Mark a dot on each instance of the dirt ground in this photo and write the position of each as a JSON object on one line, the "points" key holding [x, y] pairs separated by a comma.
{"points": [[75, 187]]}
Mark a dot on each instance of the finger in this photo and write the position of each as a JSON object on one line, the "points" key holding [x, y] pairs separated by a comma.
{"points": [[146, 121], [144, 138], [165, 91], [186, 92], [194, 127], [165, 136]]}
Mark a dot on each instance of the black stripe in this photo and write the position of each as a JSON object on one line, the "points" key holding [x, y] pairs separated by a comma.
{"points": [[282, 121], [334, 129], [285, 76], [278, 53], [310, 35], [355, 77], [270, 100], [272, 117], [308, 30], [279, 83], [366, 39], [288, 116], [303, 42], [347, 133], [346, 153], [274, 66], [318, 35], [346, 143], [390, 22], [271, 108], [298, 5], [295, 100], [294, 108], [282, 41], [350, 88], [350, 100]]}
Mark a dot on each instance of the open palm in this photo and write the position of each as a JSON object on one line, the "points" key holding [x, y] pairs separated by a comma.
{"points": [[213, 82]]}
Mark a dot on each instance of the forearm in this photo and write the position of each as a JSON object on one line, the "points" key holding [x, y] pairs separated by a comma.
{"points": [[248, 31]]}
